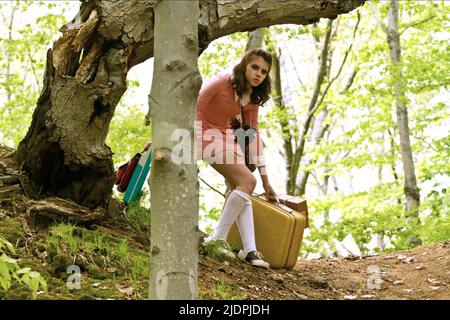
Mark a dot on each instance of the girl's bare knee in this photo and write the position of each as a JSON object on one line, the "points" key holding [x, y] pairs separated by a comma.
{"points": [[247, 184]]}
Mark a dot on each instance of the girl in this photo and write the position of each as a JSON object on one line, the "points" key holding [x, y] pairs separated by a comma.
{"points": [[226, 96]]}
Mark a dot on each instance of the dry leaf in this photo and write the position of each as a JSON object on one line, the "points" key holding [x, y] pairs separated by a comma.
{"points": [[276, 277], [111, 269], [396, 282], [434, 288], [95, 285], [128, 291]]}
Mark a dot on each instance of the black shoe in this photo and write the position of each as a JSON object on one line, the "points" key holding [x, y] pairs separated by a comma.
{"points": [[255, 258]]}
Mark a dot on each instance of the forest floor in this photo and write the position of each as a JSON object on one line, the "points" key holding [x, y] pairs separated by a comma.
{"points": [[113, 260]]}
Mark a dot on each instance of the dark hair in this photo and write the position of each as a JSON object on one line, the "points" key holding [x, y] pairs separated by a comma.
{"points": [[260, 93]]}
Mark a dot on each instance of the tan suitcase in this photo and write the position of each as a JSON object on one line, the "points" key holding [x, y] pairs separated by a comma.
{"points": [[278, 232]]}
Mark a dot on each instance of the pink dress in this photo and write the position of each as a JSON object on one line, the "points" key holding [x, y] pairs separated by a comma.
{"points": [[217, 104]]}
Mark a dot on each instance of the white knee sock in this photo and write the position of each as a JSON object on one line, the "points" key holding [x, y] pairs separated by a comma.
{"points": [[238, 208], [246, 227], [236, 202]]}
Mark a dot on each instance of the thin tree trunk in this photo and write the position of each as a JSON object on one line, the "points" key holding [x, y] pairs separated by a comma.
{"points": [[411, 188], [255, 39], [312, 108], [380, 241], [283, 116], [394, 171], [173, 183], [301, 189], [320, 129], [8, 58]]}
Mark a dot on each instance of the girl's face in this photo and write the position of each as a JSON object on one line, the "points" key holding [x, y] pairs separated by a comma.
{"points": [[256, 71]]}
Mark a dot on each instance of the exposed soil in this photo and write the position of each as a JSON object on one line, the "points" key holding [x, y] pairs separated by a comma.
{"points": [[419, 273]]}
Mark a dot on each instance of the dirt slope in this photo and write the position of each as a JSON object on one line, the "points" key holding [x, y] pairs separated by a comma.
{"points": [[420, 273]]}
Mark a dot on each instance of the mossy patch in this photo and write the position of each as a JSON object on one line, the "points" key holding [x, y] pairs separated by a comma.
{"points": [[11, 229]]}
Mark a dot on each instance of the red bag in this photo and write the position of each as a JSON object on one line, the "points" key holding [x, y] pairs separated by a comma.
{"points": [[125, 172]]}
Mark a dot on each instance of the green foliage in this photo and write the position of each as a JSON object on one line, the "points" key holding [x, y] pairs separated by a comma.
{"points": [[435, 230], [224, 291], [128, 134], [138, 216], [10, 271], [22, 71], [23, 45], [96, 252], [222, 54]]}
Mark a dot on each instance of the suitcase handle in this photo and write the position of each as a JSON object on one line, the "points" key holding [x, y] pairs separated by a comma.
{"points": [[276, 204]]}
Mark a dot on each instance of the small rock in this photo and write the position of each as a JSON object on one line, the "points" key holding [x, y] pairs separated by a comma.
{"points": [[434, 288], [350, 297], [420, 267], [300, 296], [318, 281], [433, 281], [406, 259]]}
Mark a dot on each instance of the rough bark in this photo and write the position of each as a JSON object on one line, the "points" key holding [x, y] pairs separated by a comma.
{"points": [[218, 18], [64, 151], [174, 187]]}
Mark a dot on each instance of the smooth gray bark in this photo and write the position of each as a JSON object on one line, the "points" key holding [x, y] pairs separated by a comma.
{"points": [[174, 187]]}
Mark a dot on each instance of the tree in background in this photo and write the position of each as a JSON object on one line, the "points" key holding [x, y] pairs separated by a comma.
{"points": [[393, 38]]}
